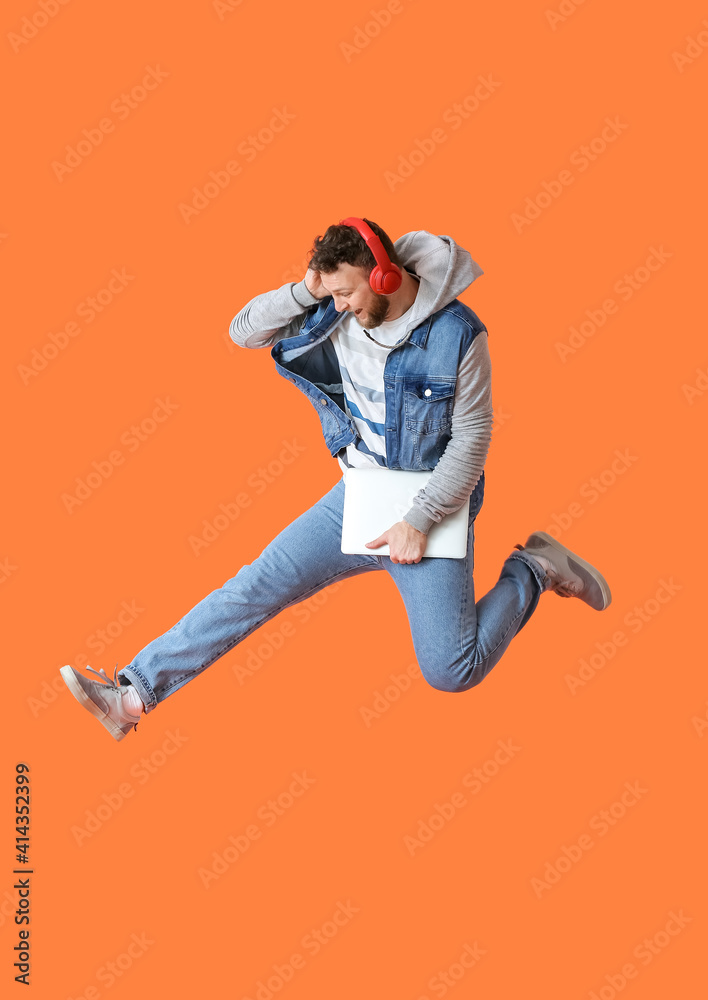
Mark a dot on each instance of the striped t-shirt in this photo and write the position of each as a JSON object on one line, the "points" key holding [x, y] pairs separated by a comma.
{"points": [[362, 365]]}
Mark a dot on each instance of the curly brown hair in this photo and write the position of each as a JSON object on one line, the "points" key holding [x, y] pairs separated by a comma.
{"points": [[345, 245]]}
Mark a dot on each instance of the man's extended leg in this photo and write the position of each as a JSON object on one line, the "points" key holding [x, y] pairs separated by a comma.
{"points": [[303, 559], [458, 641]]}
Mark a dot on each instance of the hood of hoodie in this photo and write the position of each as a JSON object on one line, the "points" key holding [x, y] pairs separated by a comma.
{"points": [[445, 270]]}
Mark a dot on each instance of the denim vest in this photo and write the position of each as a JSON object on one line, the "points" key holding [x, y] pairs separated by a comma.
{"points": [[419, 381]]}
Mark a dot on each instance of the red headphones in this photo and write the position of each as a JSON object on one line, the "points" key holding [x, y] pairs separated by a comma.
{"points": [[386, 277]]}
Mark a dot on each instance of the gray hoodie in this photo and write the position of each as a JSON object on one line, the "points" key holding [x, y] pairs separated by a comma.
{"points": [[445, 270]]}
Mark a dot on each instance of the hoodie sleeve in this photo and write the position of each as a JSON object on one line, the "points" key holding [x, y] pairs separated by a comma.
{"points": [[271, 316], [462, 462]]}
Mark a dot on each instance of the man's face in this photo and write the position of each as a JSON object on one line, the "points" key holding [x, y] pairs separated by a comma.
{"points": [[350, 288]]}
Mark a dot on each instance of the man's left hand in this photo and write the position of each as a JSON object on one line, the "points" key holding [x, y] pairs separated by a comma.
{"points": [[405, 543]]}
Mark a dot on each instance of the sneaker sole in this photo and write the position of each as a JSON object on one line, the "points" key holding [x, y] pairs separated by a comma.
{"points": [[594, 573], [83, 699]]}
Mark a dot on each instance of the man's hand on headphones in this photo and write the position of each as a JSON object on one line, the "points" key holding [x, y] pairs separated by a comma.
{"points": [[314, 284]]}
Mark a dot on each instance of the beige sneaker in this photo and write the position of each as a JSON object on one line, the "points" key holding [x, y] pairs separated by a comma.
{"points": [[569, 575], [104, 699]]}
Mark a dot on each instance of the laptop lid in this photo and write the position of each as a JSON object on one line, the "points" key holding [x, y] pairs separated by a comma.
{"points": [[375, 499]]}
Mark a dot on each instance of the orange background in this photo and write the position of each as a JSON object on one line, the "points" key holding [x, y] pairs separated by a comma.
{"points": [[638, 719]]}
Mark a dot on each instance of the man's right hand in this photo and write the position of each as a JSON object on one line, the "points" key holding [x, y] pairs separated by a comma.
{"points": [[314, 284]]}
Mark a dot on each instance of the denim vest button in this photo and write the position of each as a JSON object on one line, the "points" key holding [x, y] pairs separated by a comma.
{"points": [[324, 402], [427, 392]]}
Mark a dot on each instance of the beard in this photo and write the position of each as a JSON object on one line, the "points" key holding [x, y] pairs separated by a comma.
{"points": [[377, 312]]}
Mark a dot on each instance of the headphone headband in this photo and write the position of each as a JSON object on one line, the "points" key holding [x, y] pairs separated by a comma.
{"points": [[386, 277]]}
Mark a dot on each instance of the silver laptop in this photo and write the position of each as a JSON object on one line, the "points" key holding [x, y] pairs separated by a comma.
{"points": [[375, 499]]}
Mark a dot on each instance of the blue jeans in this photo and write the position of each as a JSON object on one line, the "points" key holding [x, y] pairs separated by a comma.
{"points": [[456, 641]]}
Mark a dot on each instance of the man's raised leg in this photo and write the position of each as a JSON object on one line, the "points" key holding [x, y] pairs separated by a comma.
{"points": [[457, 640], [303, 559]]}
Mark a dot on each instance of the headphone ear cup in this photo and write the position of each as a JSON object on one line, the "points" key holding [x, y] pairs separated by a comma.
{"points": [[375, 279], [392, 279], [385, 282]]}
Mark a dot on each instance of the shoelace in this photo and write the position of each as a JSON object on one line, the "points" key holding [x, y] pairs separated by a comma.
{"points": [[105, 679], [567, 589], [107, 682]]}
